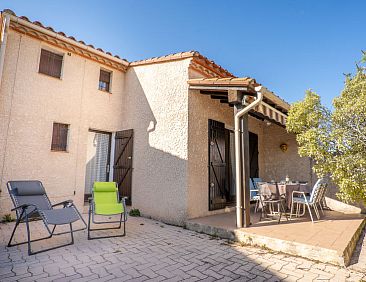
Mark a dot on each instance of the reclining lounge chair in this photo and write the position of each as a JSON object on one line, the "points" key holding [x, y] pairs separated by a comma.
{"points": [[105, 202], [31, 203]]}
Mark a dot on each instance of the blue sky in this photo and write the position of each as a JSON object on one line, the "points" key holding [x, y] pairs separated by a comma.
{"points": [[288, 46]]}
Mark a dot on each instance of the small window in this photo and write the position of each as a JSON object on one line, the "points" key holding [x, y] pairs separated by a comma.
{"points": [[50, 63], [59, 137], [104, 80]]}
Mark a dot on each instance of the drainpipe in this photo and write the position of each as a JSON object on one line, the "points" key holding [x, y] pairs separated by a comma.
{"points": [[239, 196], [3, 39]]}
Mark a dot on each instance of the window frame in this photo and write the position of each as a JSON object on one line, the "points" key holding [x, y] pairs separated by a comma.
{"points": [[56, 52], [59, 148], [110, 80]]}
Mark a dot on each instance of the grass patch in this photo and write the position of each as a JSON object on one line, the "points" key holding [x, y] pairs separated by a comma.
{"points": [[134, 212], [7, 218]]}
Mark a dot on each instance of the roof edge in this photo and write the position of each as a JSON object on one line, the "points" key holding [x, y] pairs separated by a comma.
{"points": [[234, 82], [24, 25], [210, 65]]}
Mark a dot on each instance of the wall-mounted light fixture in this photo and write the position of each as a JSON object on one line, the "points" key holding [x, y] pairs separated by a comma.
{"points": [[283, 147]]}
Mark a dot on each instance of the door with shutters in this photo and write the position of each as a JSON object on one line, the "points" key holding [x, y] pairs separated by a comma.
{"points": [[219, 166], [122, 167], [253, 153]]}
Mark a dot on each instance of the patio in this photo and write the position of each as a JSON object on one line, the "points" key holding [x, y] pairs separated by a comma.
{"points": [[153, 251], [331, 239]]}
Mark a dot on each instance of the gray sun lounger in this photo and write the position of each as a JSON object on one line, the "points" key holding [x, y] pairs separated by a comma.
{"points": [[31, 203]]}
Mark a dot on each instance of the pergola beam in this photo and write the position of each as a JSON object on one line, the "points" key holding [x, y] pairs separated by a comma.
{"points": [[218, 97]]}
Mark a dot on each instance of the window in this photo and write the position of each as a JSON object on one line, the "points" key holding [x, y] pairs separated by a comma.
{"points": [[50, 63], [104, 80], [59, 137]]}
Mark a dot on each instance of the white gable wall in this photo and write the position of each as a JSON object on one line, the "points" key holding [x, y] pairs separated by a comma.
{"points": [[156, 107]]}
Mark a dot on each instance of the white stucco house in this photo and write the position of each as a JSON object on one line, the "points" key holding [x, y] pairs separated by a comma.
{"points": [[71, 114]]}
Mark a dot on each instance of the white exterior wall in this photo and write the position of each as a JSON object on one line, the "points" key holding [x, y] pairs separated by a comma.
{"points": [[29, 104], [156, 107], [278, 164]]}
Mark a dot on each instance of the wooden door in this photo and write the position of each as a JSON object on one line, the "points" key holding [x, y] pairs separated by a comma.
{"points": [[219, 169], [122, 167], [253, 155]]}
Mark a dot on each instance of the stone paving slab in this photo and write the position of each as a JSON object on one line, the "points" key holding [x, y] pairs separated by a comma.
{"points": [[332, 239], [153, 251]]}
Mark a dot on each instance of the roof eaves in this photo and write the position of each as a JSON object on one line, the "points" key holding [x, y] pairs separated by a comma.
{"points": [[200, 59], [232, 82], [22, 20]]}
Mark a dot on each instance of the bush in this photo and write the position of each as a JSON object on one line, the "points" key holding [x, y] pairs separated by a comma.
{"points": [[335, 140]]}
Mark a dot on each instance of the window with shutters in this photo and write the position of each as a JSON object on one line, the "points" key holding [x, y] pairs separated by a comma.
{"points": [[50, 63], [59, 137], [105, 80]]}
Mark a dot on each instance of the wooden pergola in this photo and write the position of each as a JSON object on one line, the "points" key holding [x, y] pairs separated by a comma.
{"points": [[241, 93]]}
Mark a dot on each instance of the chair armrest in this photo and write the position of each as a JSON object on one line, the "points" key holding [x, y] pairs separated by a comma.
{"points": [[299, 193], [24, 206], [64, 203]]}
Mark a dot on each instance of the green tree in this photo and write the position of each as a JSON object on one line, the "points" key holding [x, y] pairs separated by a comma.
{"points": [[335, 140]]}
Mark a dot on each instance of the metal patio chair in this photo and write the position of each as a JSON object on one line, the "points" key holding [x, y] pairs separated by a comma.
{"points": [[321, 201], [314, 200], [32, 203], [105, 202], [270, 202], [254, 192]]}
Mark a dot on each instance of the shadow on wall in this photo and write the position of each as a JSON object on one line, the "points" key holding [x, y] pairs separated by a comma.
{"points": [[159, 179]]}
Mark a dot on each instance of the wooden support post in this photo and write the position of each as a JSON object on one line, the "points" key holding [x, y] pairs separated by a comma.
{"points": [[243, 165], [238, 175], [245, 168]]}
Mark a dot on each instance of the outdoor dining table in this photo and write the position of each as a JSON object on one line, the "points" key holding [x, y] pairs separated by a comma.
{"points": [[286, 189]]}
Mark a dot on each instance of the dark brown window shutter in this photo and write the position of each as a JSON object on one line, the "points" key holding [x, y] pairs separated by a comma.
{"points": [[104, 80], [59, 137], [50, 63]]}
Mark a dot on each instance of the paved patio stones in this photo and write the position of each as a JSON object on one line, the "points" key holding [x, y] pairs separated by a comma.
{"points": [[153, 251], [332, 239]]}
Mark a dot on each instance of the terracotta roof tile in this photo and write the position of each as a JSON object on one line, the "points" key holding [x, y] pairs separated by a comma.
{"points": [[227, 81], [38, 23], [180, 56]]}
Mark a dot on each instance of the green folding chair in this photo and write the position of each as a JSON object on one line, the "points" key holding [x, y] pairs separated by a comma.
{"points": [[105, 202]]}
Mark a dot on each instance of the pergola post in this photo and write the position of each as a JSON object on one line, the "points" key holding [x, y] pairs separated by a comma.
{"points": [[239, 176], [243, 171], [245, 168], [242, 162]]}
